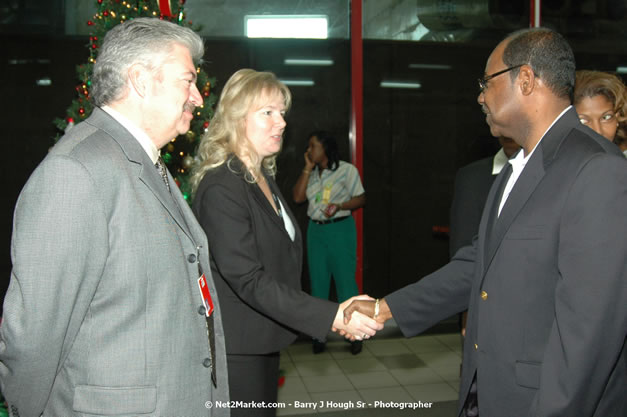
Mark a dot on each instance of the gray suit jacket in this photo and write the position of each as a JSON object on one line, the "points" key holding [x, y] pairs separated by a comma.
{"points": [[545, 285], [102, 312]]}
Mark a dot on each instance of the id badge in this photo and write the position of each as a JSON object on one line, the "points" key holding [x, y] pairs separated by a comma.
{"points": [[204, 294], [326, 194]]}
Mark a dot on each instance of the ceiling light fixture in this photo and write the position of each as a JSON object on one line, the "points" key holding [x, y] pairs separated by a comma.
{"points": [[308, 61], [286, 26], [400, 84]]}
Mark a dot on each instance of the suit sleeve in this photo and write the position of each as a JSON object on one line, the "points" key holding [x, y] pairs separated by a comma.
{"points": [[225, 215], [58, 252], [462, 228], [435, 297], [590, 322]]}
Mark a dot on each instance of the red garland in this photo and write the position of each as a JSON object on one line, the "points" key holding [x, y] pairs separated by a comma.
{"points": [[165, 8]]}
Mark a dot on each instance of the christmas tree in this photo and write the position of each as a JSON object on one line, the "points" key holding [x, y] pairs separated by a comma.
{"points": [[179, 153]]}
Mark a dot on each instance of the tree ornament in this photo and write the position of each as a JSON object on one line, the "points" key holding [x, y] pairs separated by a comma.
{"points": [[190, 135], [187, 162]]}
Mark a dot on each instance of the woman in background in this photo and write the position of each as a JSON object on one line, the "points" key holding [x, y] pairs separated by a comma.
{"points": [[255, 244], [601, 102], [333, 189]]}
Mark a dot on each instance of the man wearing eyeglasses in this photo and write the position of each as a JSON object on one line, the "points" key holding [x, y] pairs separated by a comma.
{"points": [[545, 281]]}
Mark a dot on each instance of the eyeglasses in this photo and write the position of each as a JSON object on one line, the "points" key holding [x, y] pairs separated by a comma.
{"points": [[484, 81]]}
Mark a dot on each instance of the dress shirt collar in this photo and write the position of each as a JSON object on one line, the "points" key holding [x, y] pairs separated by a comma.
{"points": [[499, 161], [519, 161], [141, 136]]}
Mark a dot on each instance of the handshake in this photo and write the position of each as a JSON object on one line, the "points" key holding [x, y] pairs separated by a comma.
{"points": [[361, 317]]}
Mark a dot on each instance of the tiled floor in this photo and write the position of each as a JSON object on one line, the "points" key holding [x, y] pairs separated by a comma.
{"points": [[390, 372]]}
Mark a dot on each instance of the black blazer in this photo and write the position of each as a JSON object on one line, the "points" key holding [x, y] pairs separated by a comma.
{"points": [[472, 185], [545, 285], [257, 267]]}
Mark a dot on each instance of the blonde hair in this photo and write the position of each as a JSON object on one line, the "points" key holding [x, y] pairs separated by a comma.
{"points": [[594, 83], [226, 135]]}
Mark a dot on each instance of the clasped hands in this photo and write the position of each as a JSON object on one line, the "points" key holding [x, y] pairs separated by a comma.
{"points": [[358, 318]]}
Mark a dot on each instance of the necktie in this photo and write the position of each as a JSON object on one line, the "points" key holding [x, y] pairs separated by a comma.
{"points": [[162, 170]]}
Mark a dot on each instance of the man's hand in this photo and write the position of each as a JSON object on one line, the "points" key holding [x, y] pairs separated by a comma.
{"points": [[359, 327], [367, 307]]}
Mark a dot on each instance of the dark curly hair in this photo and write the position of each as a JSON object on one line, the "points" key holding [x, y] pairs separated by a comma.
{"points": [[330, 147]]}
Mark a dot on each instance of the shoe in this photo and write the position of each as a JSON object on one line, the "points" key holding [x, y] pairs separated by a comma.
{"points": [[356, 347], [318, 346]]}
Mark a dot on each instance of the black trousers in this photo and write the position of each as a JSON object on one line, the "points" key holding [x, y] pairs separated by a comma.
{"points": [[253, 380]]}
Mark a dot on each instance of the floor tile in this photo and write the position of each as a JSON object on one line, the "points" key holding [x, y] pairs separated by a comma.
{"points": [[319, 367], [448, 373], [452, 340], [391, 370], [288, 368], [454, 385], [405, 361], [293, 385], [441, 359], [416, 376], [373, 380], [432, 392], [361, 364], [387, 347], [302, 352], [327, 383], [423, 344]]}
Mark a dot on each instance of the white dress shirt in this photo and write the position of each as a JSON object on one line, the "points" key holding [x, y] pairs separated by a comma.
{"points": [[519, 162]]}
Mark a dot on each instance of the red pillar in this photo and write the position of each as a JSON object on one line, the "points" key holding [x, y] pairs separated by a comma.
{"points": [[356, 121]]}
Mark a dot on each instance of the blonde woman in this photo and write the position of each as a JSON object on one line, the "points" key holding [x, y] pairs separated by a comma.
{"points": [[255, 244]]}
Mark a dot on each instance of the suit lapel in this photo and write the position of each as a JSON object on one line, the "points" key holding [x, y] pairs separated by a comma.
{"points": [[490, 211], [152, 179], [526, 184], [524, 187], [286, 212], [237, 166], [148, 173], [267, 207]]}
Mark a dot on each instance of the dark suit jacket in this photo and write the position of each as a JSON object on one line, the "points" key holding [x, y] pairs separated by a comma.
{"points": [[472, 185], [256, 265], [547, 282]]}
